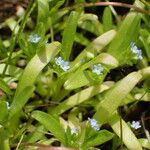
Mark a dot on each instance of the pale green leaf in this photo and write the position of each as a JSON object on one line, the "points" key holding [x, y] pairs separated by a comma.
{"points": [[107, 19], [114, 96], [51, 123], [20, 100], [43, 11], [145, 143], [69, 35], [3, 112], [78, 98], [81, 75], [100, 138], [127, 33], [35, 66], [97, 45], [4, 87], [90, 22], [128, 136]]}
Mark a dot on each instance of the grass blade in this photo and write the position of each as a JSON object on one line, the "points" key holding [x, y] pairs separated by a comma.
{"points": [[69, 33], [114, 96], [51, 123], [128, 136]]}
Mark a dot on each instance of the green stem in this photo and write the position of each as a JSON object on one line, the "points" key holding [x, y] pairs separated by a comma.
{"points": [[14, 37]]}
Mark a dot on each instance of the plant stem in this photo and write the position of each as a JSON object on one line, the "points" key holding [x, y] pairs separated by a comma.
{"points": [[116, 4], [14, 38]]}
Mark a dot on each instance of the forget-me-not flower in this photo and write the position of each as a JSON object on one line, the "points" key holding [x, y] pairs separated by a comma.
{"points": [[97, 69], [94, 124], [34, 38], [74, 130], [62, 64], [136, 51], [135, 124]]}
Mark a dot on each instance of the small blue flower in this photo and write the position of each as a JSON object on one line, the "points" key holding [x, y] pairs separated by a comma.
{"points": [[63, 64], [97, 69], [34, 38], [136, 51], [74, 130], [94, 124], [135, 124], [58, 60]]}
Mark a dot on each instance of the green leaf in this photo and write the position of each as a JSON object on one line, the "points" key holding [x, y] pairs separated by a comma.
{"points": [[100, 138], [43, 11], [25, 86], [114, 96], [90, 23], [69, 35], [144, 40], [31, 71], [78, 98], [51, 123], [12, 71], [36, 135], [84, 78], [55, 4], [145, 143], [107, 19], [81, 39], [20, 100], [128, 136], [3, 112], [4, 140], [96, 46], [5, 87], [127, 33], [3, 50]]}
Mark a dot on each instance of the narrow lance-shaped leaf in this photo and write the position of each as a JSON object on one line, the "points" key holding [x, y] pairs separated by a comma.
{"points": [[127, 33], [3, 112], [101, 137], [145, 143], [81, 76], [35, 66], [20, 100], [107, 19], [90, 23], [128, 136], [36, 135], [4, 87], [78, 98], [25, 86], [4, 140], [51, 123], [69, 35], [43, 11], [96, 45], [114, 96]]}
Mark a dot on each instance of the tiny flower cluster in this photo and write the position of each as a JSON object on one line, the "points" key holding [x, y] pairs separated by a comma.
{"points": [[97, 69], [136, 51], [34, 38], [63, 64], [74, 130], [94, 124], [135, 124]]}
